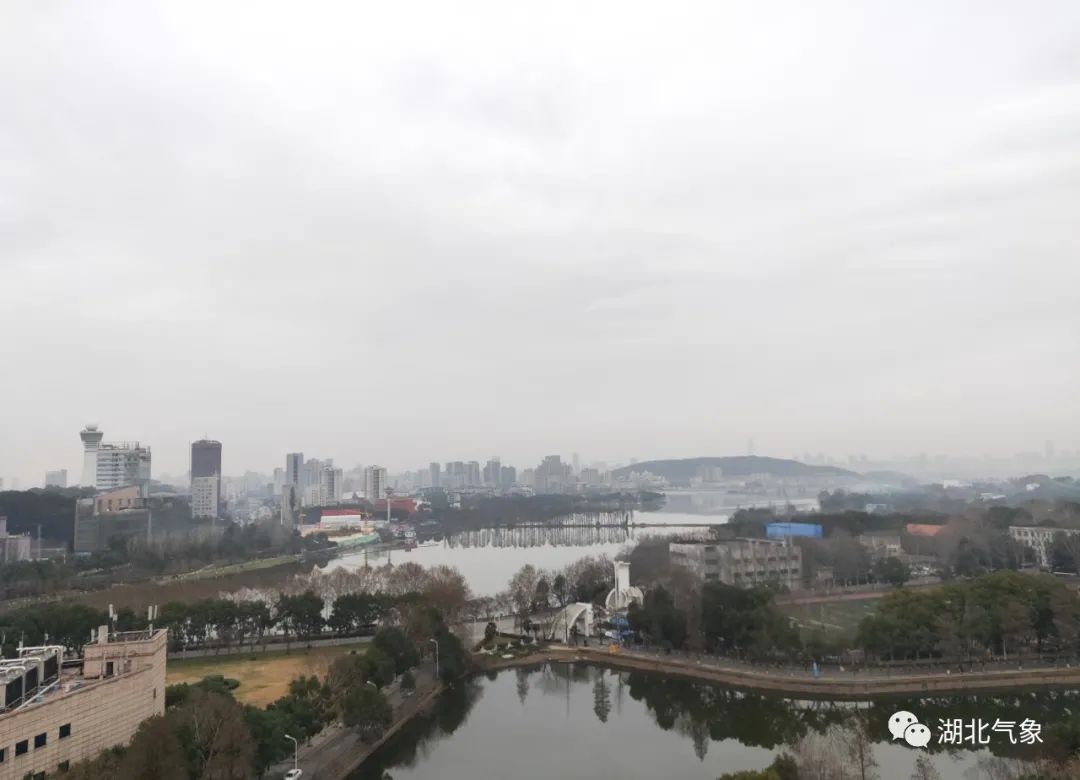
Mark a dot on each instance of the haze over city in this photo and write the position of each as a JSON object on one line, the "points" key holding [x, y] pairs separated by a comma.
{"points": [[453, 231]]}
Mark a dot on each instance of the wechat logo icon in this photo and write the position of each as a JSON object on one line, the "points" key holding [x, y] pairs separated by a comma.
{"points": [[903, 725]]}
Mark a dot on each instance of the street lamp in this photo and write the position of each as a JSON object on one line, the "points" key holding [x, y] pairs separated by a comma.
{"points": [[373, 685], [296, 751], [434, 642]]}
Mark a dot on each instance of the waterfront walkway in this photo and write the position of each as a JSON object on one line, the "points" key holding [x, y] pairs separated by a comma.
{"points": [[838, 683], [337, 751]]}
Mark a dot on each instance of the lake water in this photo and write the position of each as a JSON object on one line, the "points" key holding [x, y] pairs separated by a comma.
{"points": [[587, 723], [489, 558]]}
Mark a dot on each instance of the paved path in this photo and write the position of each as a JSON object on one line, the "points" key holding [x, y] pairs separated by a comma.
{"points": [[337, 751], [840, 683]]}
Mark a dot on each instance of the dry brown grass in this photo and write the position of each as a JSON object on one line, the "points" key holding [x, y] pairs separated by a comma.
{"points": [[264, 679]]}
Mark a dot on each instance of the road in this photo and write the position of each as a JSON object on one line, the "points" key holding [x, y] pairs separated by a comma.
{"points": [[336, 751]]}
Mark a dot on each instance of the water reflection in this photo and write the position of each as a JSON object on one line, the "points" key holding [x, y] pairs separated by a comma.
{"points": [[584, 536], [602, 723]]}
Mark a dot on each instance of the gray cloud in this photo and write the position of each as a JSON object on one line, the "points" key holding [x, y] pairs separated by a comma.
{"points": [[431, 232]]}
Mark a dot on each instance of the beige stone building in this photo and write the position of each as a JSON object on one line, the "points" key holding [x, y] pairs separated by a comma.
{"points": [[742, 562], [56, 713]]}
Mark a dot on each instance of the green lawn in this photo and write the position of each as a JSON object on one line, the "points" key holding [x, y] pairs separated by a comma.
{"points": [[838, 618]]}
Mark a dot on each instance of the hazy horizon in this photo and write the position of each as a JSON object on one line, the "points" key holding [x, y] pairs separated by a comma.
{"points": [[444, 232]]}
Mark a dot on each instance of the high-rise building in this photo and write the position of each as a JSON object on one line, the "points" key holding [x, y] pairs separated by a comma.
{"points": [[434, 470], [576, 459], [492, 472], [290, 506], [206, 479], [472, 473], [122, 464], [205, 458], [330, 481], [56, 478], [91, 439], [507, 477], [374, 483], [552, 475], [294, 466]]}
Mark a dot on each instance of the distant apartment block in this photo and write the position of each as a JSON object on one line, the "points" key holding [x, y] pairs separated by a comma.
{"points": [[1039, 540], [205, 497], [55, 714], [57, 478], [374, 483], [741, 562], [330, 485]]}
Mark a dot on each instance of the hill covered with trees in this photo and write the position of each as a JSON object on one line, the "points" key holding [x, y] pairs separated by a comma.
{"points": [[685, 469]]}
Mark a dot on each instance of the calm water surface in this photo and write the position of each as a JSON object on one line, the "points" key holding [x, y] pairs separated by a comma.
{"points": [[576, 721], [490, 557]]}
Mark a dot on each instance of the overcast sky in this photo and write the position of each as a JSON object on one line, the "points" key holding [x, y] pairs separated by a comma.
{"points": [[400, 232]]}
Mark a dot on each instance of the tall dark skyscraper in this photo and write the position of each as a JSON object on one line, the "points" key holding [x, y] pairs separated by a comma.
{"points": [[205, 459]]}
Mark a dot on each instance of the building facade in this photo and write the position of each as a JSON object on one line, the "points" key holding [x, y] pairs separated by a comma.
{"points": [[18, 547], [882, 544], [206, 495], [56, 478], [117, 514], [294, 467], [122, 464], [1039, 540], [54, 716], [330, 485], [742, 562], [374, 483]]}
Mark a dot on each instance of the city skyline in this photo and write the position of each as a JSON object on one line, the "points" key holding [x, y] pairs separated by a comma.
{"points": [[1047, 451]]}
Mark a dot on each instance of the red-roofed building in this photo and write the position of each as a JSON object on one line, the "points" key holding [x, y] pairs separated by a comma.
{"points": [[407, 505], [924, 529]]}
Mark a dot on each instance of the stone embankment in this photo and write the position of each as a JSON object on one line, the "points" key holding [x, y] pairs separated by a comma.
{"points": [[847, 685]]}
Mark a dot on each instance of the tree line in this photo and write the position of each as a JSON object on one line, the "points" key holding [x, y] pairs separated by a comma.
{"points": [[997, 615]]}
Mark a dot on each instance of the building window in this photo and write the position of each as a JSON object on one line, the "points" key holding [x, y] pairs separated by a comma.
{"points": [[65, 731], [40, 740], [22, 747], [3, 754]]}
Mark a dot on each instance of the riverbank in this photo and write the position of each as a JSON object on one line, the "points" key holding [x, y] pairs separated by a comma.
{"points": [[337, 751], [855, 686]]}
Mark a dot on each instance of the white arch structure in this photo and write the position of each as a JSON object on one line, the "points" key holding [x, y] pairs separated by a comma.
{"points": [[563, 621]]}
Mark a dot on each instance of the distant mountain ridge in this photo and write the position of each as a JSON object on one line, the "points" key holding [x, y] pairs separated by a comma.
{"points": [[685, 469]]}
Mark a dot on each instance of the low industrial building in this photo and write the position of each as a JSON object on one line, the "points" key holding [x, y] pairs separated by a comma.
{"points": [[56, 712], [741, 562], [882, 544], [14, 547]]}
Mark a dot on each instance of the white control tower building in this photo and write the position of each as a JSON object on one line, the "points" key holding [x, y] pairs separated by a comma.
{"points": [[91, 439]]}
